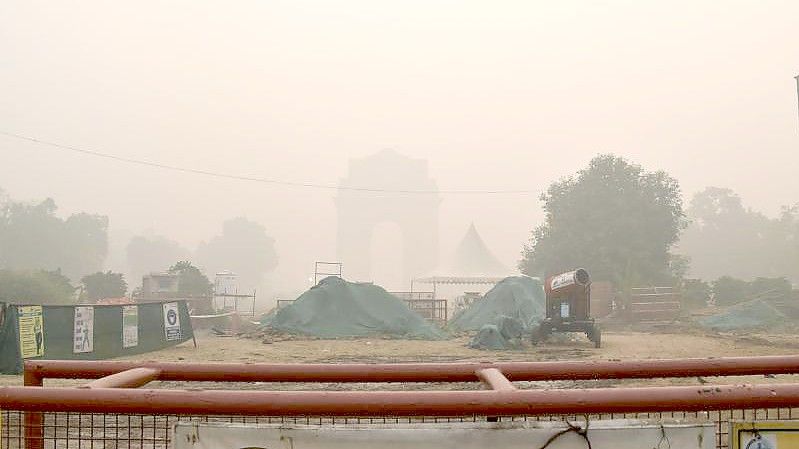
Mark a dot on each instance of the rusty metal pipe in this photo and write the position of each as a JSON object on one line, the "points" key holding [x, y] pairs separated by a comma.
{"points": [[424, 372], [34, 421], [494, 379], [400, 403], [132, 378]]}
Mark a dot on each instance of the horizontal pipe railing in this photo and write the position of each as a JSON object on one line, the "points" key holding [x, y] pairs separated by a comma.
{"points": [[421, 372], [399, 403]]}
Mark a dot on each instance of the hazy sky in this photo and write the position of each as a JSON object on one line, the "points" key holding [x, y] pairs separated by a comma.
{"points": [[496, 95]]}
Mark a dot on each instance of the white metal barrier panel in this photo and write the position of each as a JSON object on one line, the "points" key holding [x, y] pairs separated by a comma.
{"points": [[609, 434]]}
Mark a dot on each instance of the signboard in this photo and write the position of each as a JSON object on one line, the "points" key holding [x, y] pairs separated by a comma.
{"points": [[564, 310], [83, 336], [616, 434], [764, 435], [171, 321], [130, 326], [562, 280], [31, 331]]}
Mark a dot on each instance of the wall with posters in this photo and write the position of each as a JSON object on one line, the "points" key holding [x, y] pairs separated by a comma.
{"points": [[89, 332]]}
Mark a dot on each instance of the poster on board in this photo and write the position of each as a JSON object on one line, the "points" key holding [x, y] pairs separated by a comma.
{"points": [[764, 435], [616, 434], [171, 321], [130, 326], [83, 336], [31, 331]]}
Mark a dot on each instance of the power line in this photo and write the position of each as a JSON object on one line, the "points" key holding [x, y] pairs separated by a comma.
{"points": [[195, 171]]}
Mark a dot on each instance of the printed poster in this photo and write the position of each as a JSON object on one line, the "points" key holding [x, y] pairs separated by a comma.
{"points": [[31, 331], [171, 321], [765, 435], [130, 326], [83, 338]]}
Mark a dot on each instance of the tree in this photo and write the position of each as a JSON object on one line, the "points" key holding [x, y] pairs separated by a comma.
{"points": [[33, 237], [104, 285], [695, 293], [244, 248], [614, 219], [35, 287], [728, 290], [191, 281], [725, 238], [149, 254]]}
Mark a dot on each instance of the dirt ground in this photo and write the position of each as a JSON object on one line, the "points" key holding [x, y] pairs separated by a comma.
{"points": [[616, 345]]}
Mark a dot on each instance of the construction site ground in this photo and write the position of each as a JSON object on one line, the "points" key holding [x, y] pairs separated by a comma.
{"points": [[616, 345]]}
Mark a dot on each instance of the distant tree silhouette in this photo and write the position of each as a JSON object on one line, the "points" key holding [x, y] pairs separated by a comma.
{"points": [[244, 248]]}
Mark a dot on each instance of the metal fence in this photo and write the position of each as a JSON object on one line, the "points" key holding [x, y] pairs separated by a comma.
{"points": [[123, 431], [110, 411], [426, 305], [648, 304]]}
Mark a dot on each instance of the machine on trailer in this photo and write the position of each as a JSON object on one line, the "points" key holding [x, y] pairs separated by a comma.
{"points": [[568, 303]]}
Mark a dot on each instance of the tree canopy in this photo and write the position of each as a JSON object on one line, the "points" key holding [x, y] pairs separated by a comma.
{"points": [[191, 281], [244, 248], [35, 287], [32, 237], [613, 218], [102, 285], [725, 238]]}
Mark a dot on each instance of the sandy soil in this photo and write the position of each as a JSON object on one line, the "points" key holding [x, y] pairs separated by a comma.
{"points": [[616, 345]]}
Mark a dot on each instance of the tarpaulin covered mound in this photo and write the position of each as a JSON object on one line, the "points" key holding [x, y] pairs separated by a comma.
{"points": [[506, 334], [755, 314], [489, 337], [336, 308], [519, 297]]}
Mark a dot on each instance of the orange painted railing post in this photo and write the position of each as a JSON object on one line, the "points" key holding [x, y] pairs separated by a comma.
{"points": [[34, 434]]}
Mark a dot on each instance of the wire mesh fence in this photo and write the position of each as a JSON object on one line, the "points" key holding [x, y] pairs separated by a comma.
{"points": [[120, 431]]}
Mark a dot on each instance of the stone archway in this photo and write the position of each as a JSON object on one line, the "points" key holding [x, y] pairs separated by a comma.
{"points": [[359, 212]]}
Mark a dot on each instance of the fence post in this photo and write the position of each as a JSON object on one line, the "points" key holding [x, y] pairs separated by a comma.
{"points": [[34, 435]]}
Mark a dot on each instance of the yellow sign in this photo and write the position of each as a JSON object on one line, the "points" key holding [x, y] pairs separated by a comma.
{"points": [[31, 331], [765, 435]]}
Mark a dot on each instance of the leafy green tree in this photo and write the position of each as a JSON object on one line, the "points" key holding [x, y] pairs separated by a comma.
{"points": [[613, 218], [35, 287], [191, 281], [104, 285], [33, 237], [244, 248]]}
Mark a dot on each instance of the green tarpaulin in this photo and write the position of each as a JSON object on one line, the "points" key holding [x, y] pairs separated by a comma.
{"points": [[518, 297], [336, 308], [95, 334], [489, 337]]}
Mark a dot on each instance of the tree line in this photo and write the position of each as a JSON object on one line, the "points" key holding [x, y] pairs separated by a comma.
{"points": [[623, 223], [629, 226], [48, 259]]}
